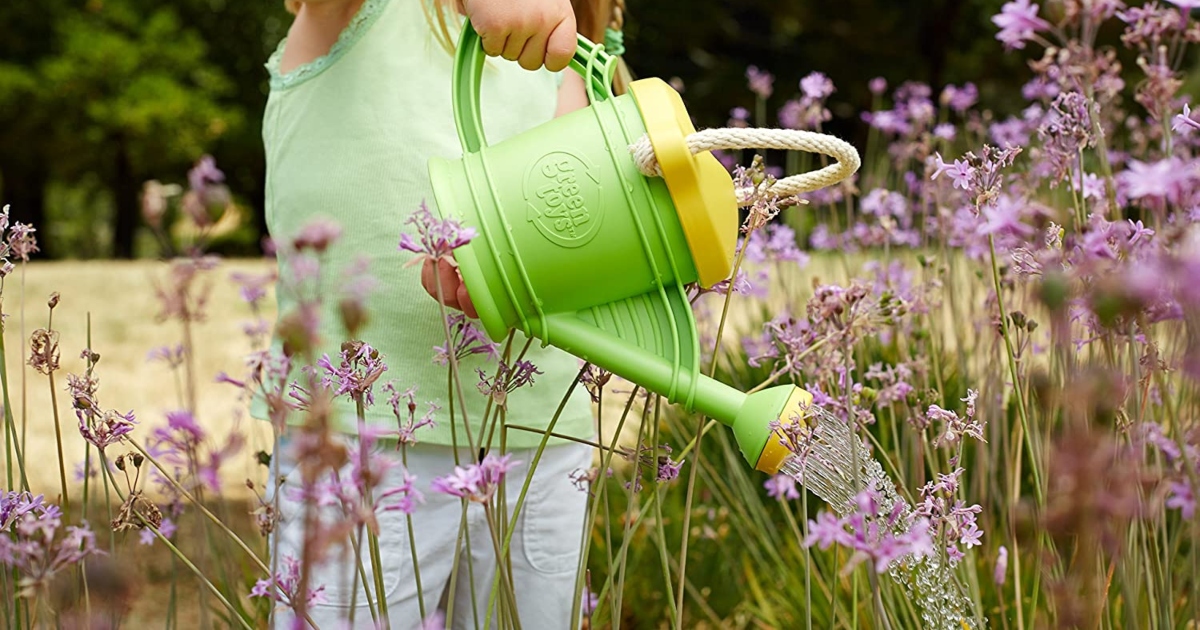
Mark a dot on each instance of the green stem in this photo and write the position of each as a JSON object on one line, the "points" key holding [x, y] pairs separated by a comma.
{"points": [[233, 612], [412, 542], [200, 506], [62, 467], [12, 446], [698, 458], [1015, 375]]}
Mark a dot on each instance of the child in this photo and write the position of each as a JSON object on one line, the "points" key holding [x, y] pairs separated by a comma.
{"points": [[360, 100]]}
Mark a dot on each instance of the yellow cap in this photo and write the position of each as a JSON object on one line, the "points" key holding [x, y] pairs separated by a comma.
{"points": [[700, 187], [774, 453]]}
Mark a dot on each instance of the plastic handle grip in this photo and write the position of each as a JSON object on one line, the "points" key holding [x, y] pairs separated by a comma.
{"points": [[590, 61]]}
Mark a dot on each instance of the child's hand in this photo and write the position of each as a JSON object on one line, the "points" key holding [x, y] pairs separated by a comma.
{"points": [[531, 32], [454, 292]]}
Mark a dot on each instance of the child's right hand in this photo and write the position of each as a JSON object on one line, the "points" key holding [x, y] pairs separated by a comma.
{"points": [[531, 32], [444, 272]]}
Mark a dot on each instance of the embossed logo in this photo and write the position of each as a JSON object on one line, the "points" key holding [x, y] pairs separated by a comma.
{"points": [[562, 194]]}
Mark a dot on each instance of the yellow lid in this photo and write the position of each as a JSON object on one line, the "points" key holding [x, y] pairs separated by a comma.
{"points": [[774, 453], [700, 187]]}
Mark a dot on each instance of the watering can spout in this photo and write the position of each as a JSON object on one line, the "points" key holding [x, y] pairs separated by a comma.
{"points": [[749, 415]]}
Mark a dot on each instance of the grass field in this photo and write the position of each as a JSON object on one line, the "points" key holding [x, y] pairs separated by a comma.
{"points": [[120, 300]]}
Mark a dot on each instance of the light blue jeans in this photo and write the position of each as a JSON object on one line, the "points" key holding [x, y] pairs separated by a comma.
{"points": [[545, 547]]}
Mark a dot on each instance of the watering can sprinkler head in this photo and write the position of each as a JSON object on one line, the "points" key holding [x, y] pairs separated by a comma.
{"points": [[580, 249]]}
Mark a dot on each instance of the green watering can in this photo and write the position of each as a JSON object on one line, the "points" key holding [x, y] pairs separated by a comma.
{"points": [[578, 248]]}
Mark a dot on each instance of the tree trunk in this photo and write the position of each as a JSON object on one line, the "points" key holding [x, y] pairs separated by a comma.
{"points": [[23, 186], [125, 202]]}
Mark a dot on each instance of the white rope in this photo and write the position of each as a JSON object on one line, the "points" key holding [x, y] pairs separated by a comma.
{"points": [[846, 156]]}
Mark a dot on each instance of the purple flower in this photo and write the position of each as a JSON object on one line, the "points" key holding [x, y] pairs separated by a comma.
{"points": [[1186, 5], [37, 546], [477, 482], [960, 99], [957, 427], [173, 357], [285, 586], [881, 538], [507, 380], [406, 432], [1162, 180], [877, 86], [463, 482], [959, 171], [166, 528], [182, 444], [1138, 232], [761, 82], [106, 428], [467, 338], [359, 367], [205, 174], [21, 241], [435, 621], [782, 487], [251, 286], [435, 238], [317, 235], [816, 86], [590, 601], [208, 196], [1184, 123], [1182, 498], [1001, 571], [1018, 23], [1004, 219], [668, 469]]}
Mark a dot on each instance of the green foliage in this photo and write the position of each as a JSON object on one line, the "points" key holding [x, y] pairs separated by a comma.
{"points": [[109, 94]]}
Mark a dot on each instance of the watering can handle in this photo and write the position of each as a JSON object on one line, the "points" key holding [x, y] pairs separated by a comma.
{"points": [[590, 61]]}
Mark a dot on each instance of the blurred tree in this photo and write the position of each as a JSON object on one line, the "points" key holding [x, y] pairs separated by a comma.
{"points": [[24, 171], [133, 85], [129, 90]]}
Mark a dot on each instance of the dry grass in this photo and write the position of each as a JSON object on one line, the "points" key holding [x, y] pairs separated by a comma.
{"points": [[120, 299]]}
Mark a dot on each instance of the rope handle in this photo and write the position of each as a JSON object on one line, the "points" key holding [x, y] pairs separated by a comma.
{"points": [[846, 156]]}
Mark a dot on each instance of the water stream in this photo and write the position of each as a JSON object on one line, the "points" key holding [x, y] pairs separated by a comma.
{"points": [[827, 469]]}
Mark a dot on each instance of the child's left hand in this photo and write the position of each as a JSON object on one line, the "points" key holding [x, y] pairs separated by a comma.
{"points": [[444, 271]]}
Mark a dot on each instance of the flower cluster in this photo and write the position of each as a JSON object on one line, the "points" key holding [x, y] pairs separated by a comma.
{"points": [[360, 365], [476, 482], [435, 238], [404, 407], [19, 243], [956, 427], [808, 111], [467, 340], [508, 378], [35, 544], [952, 521], [183, 445], [872, 536], [284, 586], [101, 428]]}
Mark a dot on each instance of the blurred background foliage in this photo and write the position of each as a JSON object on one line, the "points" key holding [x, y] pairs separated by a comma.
{"points": [[98, 96]]}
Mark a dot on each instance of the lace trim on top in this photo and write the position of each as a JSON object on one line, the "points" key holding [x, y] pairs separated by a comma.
{"points": [[359, 24]]}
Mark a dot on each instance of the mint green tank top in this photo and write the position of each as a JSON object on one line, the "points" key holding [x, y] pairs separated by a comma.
{"points": [[347, 138]]}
